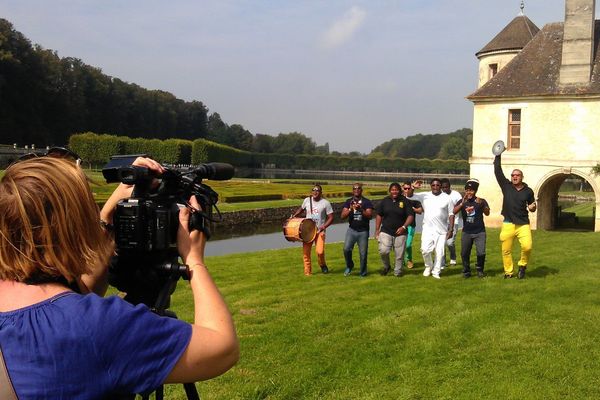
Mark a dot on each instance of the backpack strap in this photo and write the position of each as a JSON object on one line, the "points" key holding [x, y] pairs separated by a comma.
{"points": [[7, 391]]}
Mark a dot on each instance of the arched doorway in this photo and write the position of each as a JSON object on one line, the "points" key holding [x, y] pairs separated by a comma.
{"points": [[560, 195]]}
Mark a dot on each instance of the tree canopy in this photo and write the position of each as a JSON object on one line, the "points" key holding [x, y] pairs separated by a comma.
{"points": [[45, 99], [454, 145]]}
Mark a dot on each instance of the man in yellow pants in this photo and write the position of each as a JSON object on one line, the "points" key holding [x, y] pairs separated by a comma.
{"points": [[518, 201]]}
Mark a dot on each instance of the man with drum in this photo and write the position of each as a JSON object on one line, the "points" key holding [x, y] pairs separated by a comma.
{"points": [[394, 216], [319, 210], [358, 210], [518, 200]]}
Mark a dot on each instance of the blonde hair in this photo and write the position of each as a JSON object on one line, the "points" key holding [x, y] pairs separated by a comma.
{"points": [[49, 224]]}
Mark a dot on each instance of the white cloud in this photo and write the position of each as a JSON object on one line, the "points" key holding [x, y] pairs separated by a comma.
{"points": [[344, 28]]}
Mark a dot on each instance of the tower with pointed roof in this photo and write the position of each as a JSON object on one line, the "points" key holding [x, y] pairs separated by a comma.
{"points": [[504, 47], [539, 92]]}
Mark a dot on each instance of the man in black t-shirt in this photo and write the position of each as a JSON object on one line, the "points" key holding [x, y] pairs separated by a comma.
{"points": [[359, 211], [472, 209], [394, 216]]}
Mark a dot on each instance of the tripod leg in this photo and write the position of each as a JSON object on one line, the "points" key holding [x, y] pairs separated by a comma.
{"points": [[160, 393], [191, 392]]}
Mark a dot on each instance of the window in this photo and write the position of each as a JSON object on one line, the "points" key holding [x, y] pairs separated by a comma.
{"points": [[514, 129], [493, 70]]}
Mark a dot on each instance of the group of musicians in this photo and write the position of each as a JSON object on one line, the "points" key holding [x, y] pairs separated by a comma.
{"points": [[444, 211]]}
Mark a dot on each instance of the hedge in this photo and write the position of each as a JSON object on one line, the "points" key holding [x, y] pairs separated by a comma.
{"points": [[96, 149]]}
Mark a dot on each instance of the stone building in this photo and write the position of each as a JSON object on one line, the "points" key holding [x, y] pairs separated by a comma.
{"points": [[539, 92]]}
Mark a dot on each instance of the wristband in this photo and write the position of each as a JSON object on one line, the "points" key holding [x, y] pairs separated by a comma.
{"points": [[106, 226]]}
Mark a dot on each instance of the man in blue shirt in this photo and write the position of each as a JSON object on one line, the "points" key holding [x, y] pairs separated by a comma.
{"points": [[359, 211], [472, 209]]}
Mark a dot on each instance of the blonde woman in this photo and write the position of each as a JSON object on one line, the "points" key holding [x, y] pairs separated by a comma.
{"points": [[59, 338]]}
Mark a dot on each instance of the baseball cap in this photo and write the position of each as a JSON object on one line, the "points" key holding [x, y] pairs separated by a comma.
{"points": [[472, 184]]}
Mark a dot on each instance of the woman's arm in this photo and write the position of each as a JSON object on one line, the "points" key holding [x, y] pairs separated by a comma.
{"points": [[214, 346]]}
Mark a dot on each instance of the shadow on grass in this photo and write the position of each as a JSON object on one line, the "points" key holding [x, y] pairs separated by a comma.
{"points": [[541, 271], [534, 272]]}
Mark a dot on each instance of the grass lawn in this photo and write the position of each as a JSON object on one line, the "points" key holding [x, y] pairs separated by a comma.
{"points": [[336, 337], [296, 191]]}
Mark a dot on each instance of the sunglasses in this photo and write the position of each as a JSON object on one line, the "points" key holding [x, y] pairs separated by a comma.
{"points": [[406, 188], [316, 190], [55, 152], [356, 188], [515, 174]]}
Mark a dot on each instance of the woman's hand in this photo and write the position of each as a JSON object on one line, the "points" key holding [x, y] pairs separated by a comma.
{"points": [[124, 191], [190, 244]]}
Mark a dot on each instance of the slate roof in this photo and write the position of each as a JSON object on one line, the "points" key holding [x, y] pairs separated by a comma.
{"points": [[534, 72], [514, 36]]}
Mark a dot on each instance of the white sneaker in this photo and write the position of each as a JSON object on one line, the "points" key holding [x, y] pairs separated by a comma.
{"points": [[427, 271], [452, 262], [436, 276]]}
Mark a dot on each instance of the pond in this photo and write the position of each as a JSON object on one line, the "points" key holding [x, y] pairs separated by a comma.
{"points": [[242, 239]]}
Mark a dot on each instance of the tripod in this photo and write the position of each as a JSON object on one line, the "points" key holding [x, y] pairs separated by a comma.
{"points": [[159, 300], [162, 302]]}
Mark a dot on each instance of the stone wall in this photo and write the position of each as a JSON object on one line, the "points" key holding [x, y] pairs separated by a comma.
{"points": [[270, 215]]}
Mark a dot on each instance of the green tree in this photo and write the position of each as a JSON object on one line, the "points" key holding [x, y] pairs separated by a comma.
{"points": [[323, 150], [293, 143], [455, 148], [262, 143], [216, 128]]}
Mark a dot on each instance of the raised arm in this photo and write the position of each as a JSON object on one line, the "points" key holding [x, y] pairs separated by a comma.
{"points": [[458, 205], [345, 212], [486, 206], [500, 178]]}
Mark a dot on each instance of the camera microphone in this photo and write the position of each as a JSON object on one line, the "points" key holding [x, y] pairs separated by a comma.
{"points": [[215, 171]]}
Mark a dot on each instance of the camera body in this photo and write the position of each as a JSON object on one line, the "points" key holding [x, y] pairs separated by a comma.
{"points": [[146, 225]]}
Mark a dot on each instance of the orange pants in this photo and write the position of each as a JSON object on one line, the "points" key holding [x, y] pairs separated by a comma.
{"points": [[320, 249]]}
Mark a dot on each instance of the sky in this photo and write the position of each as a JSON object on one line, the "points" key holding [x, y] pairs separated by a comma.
{"points": [[353, 74]]}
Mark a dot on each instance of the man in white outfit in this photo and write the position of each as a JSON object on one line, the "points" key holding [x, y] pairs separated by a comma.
{"points": [[451, 243], [438, 225]]}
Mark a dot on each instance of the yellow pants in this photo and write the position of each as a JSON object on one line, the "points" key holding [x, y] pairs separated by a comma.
{"points": [[507, 234], [320, 250]]}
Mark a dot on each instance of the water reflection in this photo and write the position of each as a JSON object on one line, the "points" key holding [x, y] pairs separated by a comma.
{"points": [[257, 237]]}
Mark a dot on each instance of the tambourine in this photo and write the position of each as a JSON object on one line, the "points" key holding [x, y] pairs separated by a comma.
{"points": [[498, 148]]}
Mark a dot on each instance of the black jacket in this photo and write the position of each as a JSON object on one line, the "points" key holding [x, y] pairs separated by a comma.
{"points": [[515, 202]]}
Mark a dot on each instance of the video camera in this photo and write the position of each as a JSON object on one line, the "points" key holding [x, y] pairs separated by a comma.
{"points": [[145, 225]]}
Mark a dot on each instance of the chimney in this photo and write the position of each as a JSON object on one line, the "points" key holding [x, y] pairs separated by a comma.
{"points": [[578, 42]]}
